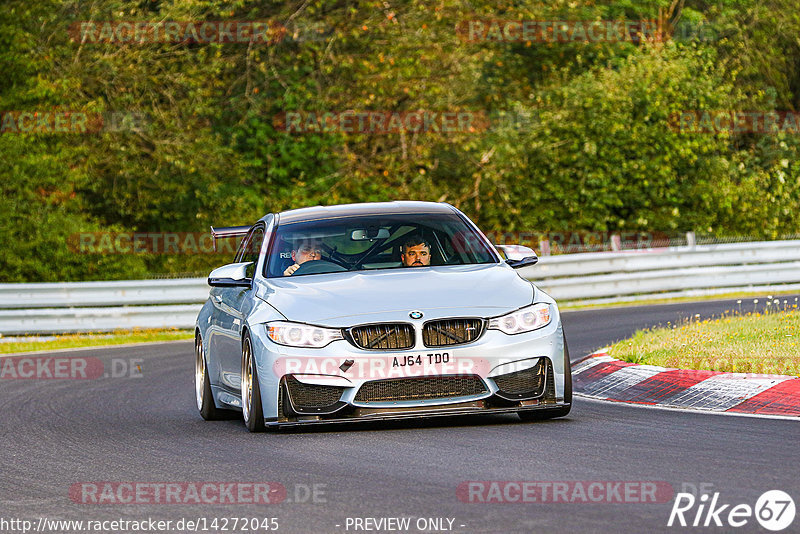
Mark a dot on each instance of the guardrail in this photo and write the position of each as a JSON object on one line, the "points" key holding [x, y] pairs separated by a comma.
{"points": [[591, 277], [689, 270]]}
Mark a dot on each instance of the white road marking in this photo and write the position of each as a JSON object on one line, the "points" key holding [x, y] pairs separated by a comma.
{"points": [[689, 410], [722, 392], [591, 362], [621, 380]]}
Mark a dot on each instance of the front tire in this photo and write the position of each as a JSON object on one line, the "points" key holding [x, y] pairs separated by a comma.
{"points": [[539, 415], [251, 393]]}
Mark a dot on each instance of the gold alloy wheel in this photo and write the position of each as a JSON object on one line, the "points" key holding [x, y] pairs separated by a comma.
{"points": [[199, 371], [247, 378]]}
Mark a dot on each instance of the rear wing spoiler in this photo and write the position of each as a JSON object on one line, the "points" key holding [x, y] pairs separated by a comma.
{"points": [[225, 232]]}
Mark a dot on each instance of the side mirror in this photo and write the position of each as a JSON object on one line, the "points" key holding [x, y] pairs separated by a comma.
{"points": [[231, 275], [518, 256]]}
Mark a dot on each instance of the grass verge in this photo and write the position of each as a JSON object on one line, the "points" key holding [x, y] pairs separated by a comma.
{"points": [[578, 305], [69, 341], [766, 343]]}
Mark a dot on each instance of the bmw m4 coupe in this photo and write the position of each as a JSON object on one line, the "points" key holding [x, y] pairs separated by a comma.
{"points": [[376, 311]]}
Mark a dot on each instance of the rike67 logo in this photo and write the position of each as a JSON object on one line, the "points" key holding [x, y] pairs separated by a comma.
{"points": [[774, 510]]}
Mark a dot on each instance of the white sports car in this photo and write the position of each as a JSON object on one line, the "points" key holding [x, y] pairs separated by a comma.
{"points": [[376, 311]]}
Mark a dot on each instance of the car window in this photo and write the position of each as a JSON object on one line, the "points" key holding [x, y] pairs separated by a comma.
{"points": [[240, 251], [250, 248], [374, 242]]}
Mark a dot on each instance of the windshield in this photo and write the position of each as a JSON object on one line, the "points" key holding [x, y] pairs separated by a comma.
{"points": [[375, 242]]}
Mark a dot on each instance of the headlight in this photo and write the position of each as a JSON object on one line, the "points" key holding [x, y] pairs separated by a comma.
{"points": [[301, 335], [524, 320]]}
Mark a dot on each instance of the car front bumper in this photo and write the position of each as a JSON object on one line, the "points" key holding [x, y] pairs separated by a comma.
{"points": [[492, 354]]}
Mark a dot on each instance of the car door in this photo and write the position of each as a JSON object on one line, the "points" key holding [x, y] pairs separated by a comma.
{"points": [[220, 315], [233, 303]]}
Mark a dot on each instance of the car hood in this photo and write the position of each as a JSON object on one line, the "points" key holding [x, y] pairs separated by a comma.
{"points": [[342, 299]]}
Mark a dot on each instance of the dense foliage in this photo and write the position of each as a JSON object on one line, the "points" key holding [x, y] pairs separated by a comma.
{"points": [[577, 135]]}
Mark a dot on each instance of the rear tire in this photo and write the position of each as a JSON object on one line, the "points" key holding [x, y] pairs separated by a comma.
{"points": [[204, 398], [251, 393], [539, 415]]}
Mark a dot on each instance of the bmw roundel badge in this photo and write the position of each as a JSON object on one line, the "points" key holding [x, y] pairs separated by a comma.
{"points": [[416, 314]]}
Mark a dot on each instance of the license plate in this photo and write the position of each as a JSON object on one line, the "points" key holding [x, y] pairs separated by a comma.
{"points": [[421, 359]]}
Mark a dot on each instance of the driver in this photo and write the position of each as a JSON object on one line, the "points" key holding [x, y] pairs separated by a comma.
{"points": [[303, 251], [416, 252]]}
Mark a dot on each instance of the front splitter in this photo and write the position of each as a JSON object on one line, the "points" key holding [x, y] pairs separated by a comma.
{"points": [[393, 414]]}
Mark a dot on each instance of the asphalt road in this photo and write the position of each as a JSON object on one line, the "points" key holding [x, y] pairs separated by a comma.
{"points": [[58, 433]]}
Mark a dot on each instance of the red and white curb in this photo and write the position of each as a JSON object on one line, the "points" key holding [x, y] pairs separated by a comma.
{"points": [[600, 376]]}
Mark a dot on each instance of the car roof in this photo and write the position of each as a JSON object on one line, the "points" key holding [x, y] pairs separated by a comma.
{"points": [[368, 208]]}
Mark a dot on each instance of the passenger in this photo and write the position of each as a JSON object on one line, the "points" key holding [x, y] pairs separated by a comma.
{"points": [[306, 250], [416, 252]]}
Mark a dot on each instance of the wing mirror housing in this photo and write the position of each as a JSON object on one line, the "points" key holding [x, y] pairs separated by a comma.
{"points": [[518, 256], [231, 275]]}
